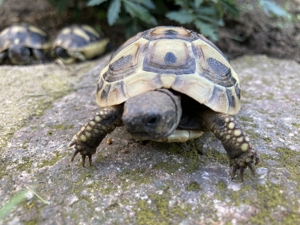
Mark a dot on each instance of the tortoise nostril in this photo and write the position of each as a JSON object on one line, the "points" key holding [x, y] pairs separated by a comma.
{"points": [[152, 119]]}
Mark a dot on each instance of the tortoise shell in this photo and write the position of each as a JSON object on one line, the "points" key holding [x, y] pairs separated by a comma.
{"points": [[27, 35], [81, 38], [173, 58]]}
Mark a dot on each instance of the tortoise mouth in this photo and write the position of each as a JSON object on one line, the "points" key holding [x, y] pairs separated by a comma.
{"points": [[149, 135]]}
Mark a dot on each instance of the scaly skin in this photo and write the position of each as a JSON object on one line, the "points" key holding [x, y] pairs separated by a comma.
{"points": [[235, 141], [94, 130]]}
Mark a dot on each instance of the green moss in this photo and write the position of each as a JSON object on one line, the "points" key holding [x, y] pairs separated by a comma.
{"points": [[291, 160], [31, 222], [24, 166], [109, 187], [162, 205], [158, 211], [168, 167], [138, 176], [59, 127], [246, 119], [270, 198], [173, 148], [222, 186], [267, 140], [297, 125], [266, 199], [240, 197], [264, 158], [52, 161], [145, 215], [217, 156], [62, 127], [189, 151], [192, 158], [193, 186]]}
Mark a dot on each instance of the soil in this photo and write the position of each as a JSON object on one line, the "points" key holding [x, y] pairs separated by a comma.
{"points": [[252, 33]]}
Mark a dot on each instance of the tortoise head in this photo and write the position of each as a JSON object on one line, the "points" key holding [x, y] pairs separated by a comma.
{"points": [[61, 52], [19, 54], [152, 115]]}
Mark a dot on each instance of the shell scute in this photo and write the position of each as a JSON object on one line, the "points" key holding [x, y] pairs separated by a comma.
{"points": [[158, 58]]}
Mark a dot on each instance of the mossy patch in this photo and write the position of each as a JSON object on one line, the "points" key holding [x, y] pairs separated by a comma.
{"points": [[59, 127], [222, 186], [138, 176], [26, 165], [291, 161], [246, 119], [31, 222], [267, 140], [270, 198], [193, 186], [267, 199], [50, 162], [62, 127], [157, 210], [297, 125], [219, 157], [168, 167]]}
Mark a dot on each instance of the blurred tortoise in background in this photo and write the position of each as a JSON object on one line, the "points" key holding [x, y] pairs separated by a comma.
{"points": [[23, 44], [78, 43], [169, 84]]}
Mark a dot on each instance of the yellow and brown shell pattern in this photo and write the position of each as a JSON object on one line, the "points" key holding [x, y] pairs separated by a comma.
{"points": [[173, 58], [81, 38], [25, 34]]}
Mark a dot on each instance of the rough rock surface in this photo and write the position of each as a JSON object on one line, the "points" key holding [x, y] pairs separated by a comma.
{"points": [[135, 182]]}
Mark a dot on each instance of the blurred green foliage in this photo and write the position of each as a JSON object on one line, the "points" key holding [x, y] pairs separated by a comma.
{"points": [[272, 9], [136, 15]]}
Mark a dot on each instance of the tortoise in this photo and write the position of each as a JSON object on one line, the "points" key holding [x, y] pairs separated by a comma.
{"points": [[22, 44], [169, 84], [78, 43]]}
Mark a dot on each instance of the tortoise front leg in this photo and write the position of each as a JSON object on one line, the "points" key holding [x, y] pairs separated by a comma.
{"points": [[235, 141], [39, 54], [77, 55], [94, 130]]}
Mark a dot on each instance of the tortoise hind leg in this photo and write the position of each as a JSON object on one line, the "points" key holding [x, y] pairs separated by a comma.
{"points": [[94, 130], [235, 141]]}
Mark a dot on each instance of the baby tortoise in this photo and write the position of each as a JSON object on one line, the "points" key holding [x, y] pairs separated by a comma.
{"points": [[22, 44], [169, 84], [78, 43]]}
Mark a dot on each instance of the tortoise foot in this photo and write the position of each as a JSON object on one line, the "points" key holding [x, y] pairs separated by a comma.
{"points": [[242, 162], [83, 149]]}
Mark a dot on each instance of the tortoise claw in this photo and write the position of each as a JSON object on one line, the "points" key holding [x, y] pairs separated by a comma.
{"points": [[234, 169], [242, 169], [83, 159], [83, 149], [242, 162], [251, 168]]}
